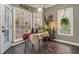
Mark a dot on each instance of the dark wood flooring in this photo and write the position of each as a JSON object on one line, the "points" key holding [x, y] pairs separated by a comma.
{"points": [[45, 48]]}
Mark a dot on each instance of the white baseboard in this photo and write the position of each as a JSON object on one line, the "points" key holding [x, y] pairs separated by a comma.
{"points": [[72, 43], [18, 42]]}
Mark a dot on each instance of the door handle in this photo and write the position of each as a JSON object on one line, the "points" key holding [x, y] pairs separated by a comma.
{"points": [[2, 26], [11, 26], [3, 30]]}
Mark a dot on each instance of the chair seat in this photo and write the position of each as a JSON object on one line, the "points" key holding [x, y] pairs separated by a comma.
{"points": [[26, 36]]}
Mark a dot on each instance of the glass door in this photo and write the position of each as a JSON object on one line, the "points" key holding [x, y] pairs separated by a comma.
{"points": [[6, 27], [22, 22]]}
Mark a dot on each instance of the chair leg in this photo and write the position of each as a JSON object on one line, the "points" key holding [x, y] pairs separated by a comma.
{"points": [[26, 45]]}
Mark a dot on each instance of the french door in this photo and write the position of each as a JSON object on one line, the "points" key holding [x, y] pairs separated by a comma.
{"points": [[22, 20], [6, 27]]}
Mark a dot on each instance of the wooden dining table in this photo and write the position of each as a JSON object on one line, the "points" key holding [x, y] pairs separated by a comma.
{"points": [[35, 38]]}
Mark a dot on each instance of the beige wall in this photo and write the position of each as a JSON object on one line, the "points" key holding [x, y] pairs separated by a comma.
{"points": [[54, 9]]}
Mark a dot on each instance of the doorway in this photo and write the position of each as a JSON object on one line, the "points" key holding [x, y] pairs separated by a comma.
{"points": [[6, 27]]}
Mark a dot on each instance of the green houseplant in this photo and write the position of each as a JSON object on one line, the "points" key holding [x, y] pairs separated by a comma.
{"points": [[65, 21]]}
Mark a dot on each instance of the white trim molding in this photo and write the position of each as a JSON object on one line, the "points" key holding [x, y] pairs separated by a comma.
{"points": [[18, 42], [72, 43]]}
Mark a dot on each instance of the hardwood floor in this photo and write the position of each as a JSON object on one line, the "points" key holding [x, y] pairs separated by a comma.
{"points": [[45, 48]]}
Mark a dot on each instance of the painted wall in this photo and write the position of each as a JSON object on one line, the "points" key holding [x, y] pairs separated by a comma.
{"points": [[54, 9]]}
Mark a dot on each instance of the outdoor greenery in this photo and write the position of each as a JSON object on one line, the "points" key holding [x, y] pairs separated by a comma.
{"points": [[65, 21]]}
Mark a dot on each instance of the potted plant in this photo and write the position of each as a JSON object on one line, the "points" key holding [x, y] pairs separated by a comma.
{"points": [[64, 22]]}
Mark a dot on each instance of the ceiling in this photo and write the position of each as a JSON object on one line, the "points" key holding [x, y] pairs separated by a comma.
{"points": [[41, 5]]}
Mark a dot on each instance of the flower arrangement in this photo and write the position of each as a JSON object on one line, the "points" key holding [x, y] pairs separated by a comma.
{"points": [[65, 21]]}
